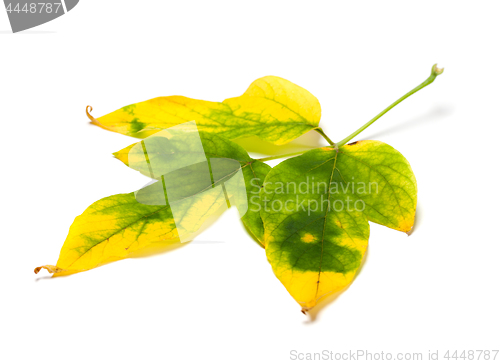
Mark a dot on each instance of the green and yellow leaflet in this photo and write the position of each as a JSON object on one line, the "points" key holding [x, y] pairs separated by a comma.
{"points": [[316, 209], [272, 108]]}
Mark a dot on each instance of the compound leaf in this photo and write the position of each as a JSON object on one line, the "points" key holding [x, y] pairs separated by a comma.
{"points": [[272, 108], [316, 209]]}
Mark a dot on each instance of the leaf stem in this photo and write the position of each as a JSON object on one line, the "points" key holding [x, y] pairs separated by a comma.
{"points": [[320, 131], [281, 156], [434, 73]]}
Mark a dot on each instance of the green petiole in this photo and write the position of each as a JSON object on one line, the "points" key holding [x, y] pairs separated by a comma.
{"points": [[434, 73]]}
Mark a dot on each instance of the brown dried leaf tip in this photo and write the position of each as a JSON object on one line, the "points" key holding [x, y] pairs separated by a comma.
{"points": [[50, 269]]}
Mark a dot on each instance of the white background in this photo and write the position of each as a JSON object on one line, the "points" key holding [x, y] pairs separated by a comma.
{"points": [[220, 302]]}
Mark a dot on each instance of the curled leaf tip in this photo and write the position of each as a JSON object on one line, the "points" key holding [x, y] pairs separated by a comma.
{"points": [[50, 269], [88, 110], [437, 71]]}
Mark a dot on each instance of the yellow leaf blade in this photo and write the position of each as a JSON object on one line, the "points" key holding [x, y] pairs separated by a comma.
{"points": [[272, 108], [112, 228]]}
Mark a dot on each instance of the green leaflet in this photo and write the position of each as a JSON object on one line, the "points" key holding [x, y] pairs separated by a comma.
{"points": [[316, 209], [391, 188], [215, 149], [272, 108]]}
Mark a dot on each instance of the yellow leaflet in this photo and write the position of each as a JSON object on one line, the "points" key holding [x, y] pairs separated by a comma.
{"points": [[111, 229], [116, 226], [272, 108]]}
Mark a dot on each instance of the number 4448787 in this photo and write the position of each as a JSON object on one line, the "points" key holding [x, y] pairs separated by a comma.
{"points": [[34, 8], [472, 355]]}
